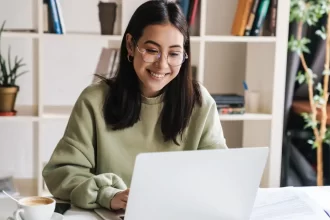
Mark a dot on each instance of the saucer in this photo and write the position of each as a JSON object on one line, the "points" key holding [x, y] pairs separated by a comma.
{"points": [[57, 216]]}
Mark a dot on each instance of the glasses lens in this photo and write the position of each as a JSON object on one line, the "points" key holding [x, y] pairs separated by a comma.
{"points": [[175, 59], [150, 57]]}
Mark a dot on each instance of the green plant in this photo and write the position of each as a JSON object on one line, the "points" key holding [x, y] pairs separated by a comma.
{"points": [[8, 71], [306, 12]]}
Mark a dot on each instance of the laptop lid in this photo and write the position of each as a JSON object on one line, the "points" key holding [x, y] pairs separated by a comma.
{"points": [[194, 185]]}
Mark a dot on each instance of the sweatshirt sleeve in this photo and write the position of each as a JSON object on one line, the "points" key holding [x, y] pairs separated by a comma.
{"points": [[70, 172], [212, 134]]}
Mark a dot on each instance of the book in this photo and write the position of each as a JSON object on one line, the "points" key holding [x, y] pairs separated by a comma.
{"points": [[54, 17], [60, 16], [251, 18], [185, 4], [115, 63], [228, 99], [273, 18], [231, 111], [243, 9], [104, 64], [260, 17], [192, 12]]}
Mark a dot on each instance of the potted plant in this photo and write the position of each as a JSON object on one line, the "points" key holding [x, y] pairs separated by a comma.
{"points": [[306, 12], [9, 72]]}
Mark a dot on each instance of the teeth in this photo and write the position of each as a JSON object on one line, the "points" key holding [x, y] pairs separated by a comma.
{"points": [[159, 76]]}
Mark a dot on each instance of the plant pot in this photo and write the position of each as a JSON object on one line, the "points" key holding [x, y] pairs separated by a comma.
{"points": [[8, 98], [107, 16]]}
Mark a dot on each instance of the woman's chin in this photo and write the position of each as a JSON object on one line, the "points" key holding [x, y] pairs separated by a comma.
{"points": [[152, 91]]}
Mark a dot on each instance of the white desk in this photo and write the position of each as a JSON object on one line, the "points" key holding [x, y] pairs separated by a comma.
{"points": [[7, 206]]}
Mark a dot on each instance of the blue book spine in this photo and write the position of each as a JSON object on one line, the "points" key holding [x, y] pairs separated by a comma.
{"points": [[185, 7], [54, 15]]}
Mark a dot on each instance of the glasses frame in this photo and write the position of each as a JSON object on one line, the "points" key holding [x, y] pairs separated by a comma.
{"points": [[159, 55]]}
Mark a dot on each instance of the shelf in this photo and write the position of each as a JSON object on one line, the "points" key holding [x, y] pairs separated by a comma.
{"points": [[19, 118], [82, 36], [24, 113], [20, 34], [246, 39], [207, 38], [246, 117]]}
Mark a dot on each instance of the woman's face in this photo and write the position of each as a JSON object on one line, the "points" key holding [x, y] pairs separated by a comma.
{"points": [[158, 56]]}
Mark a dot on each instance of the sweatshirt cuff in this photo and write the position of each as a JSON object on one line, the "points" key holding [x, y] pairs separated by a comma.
{"points": [[105, 196]]}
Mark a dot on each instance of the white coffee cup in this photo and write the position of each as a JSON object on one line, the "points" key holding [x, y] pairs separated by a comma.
{"points": [[35, 208]]}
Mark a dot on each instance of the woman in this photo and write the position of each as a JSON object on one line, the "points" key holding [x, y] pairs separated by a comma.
{"points": [[151, 105]]}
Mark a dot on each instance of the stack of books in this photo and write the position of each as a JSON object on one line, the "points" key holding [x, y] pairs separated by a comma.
{"points": [[229, 103], [255, 18], [108, 63], [189, 9]]}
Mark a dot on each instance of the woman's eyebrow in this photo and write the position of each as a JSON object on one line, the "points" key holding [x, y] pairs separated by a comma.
{"points": [[157, 44]]}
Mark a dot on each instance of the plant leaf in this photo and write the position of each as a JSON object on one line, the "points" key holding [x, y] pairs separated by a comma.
{"points": [[319, 88], [20, 74], [310, 141], [301, 78], [9, 62], [321, 32]]}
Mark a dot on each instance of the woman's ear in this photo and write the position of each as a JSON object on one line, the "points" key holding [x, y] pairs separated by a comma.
{"points": [[129, 44]]}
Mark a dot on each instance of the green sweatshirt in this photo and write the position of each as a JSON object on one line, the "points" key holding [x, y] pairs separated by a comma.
{"points": [[91, 163]]}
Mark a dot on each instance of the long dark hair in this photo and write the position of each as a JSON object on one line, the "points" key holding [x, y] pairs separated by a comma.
{"points": [[123, 102]]}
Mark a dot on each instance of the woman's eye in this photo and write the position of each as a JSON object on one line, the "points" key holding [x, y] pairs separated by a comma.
{"points": [[152, 51], [174, 54]]}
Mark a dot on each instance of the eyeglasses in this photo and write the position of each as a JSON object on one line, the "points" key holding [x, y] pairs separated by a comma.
{"points": [[153, 55]]}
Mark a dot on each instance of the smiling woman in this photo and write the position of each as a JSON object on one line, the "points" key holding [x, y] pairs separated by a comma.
{"points": [[161, 57], [152, 104]]}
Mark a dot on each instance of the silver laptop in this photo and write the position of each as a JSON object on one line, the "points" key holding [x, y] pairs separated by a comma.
{"points": [[194, 185]]}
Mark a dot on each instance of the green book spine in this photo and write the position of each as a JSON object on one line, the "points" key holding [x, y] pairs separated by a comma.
{"points": [[260, 17], [251, 18]]}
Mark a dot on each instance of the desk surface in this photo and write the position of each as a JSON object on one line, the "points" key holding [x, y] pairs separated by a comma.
{"points": [[7, 206]]}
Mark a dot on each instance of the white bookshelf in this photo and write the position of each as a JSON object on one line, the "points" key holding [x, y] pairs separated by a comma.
{"points": [[60, 66]]}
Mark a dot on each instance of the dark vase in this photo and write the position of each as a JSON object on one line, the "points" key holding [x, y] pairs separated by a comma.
{"points": [[107, 16]]}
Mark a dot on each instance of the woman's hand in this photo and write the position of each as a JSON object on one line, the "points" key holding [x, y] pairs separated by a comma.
{"points": [[119, 201]]}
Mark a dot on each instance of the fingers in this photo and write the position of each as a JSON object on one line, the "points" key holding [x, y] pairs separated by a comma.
{"points": [[120, 200], [124, 198], [123, 205]]}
